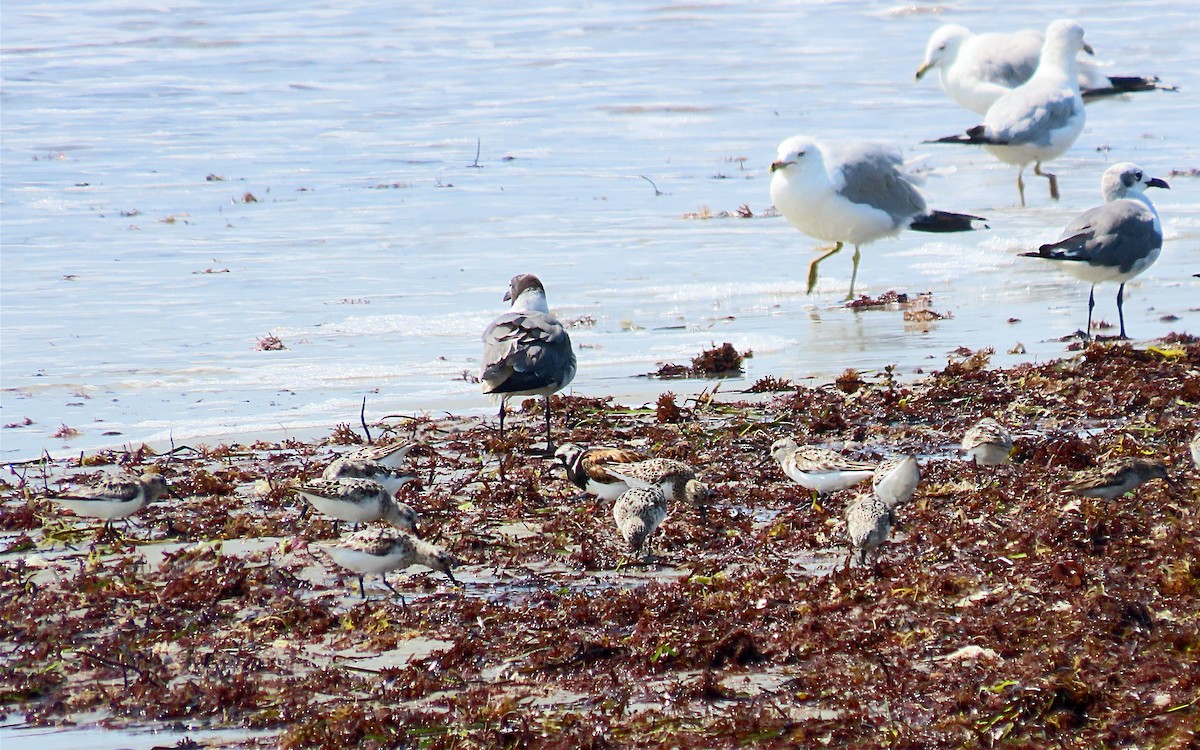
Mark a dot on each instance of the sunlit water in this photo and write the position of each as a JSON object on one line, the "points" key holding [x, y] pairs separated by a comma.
{"points": [[135, 288]]}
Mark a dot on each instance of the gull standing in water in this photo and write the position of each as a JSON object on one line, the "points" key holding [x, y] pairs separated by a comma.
{"points": [[977, 69], [526, 351], [854, 195], [1114, 241], [1039, 120]]}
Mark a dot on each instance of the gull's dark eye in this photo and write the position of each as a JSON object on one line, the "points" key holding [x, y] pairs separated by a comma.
{"points": [[1137, 176]]}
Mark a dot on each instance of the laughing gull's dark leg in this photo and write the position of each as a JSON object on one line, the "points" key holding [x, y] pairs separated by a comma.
{"points": [[1087, 332], [1121, 308]]}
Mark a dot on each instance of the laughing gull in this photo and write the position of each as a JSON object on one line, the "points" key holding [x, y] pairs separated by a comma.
{"points": [[977, 69], [526, 351], [1114, 241], [856, 195], [1040, 119]]}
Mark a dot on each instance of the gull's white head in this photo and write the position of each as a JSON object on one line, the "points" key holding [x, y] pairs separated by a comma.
{"points": [[1127, 180], [798, 153], [1064, 40], [943, 47]]}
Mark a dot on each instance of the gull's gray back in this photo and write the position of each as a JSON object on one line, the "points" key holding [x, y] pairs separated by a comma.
{"points": [[1117, 234], [526, 351], [872, 174]]}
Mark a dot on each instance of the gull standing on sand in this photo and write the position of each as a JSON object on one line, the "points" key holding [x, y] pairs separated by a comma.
{"points": [[588, 468], [1117, 478], [988, 443], [854, 195], [975, 70], [1114, 241], [114, 497], [819, 469], [638, 512], [1039, 120], [358, 501], [526, 351], [868, 525], [381, 549]]}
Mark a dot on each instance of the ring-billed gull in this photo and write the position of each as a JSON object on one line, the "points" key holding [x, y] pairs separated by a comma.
{"points": [[1114, 241], [1040, 119], [856, 195], [977, 69], [526, 351]]}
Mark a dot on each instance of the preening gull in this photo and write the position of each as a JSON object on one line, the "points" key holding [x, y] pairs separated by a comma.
{"points": [[526, 351], [1040, 119], [1114, 241], [977, 69], [855, 195]]}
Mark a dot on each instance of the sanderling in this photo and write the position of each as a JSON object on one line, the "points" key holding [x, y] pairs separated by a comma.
{"points": [[1114, 241], [868, 524], [349, 467], [1040, 119], [1117, 478], [114, 497], [392, 455], [819, 469], [358, 501], [638, 512], [1195, 448], [526, 351], [977, 69], [675, 479], [587, 468], [988, 443], [381, 549], [855, 195], [895, 480]]}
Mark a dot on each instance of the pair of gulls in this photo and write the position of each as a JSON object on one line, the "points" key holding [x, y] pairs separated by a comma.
{"points": [[861, 193]]}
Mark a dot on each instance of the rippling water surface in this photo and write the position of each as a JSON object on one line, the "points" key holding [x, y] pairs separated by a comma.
{"points": [[182, 179]]}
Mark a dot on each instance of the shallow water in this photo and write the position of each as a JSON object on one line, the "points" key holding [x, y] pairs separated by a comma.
{"points": [[135, 288]]}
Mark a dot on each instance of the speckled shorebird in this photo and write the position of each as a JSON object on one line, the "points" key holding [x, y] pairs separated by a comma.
{"points": [[895, 480], [1117, 478], [114, 497], [819, 469], [526, 351], [352, 467], [638, 512], [381, 549], [675, 479], [587, 468], [988, 443], [358, 501], [392, 455], [868, 524], [1195, 446]]}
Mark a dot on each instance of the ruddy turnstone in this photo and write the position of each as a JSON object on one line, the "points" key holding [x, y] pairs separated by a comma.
{"points": [[587, 468], [819, 469], [1117, 478], [1114, 241], [988, 443], [526, 351], [1039, 120], [358, 501], [868, 524], [114, 497], [350, 467], [977, 69], [854, 195], [638, 512], [895, 480], [381, 549]]}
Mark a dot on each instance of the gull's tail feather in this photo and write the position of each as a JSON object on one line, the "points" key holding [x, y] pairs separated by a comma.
{"points": [[973, 137], [945, 221], [1118, 85]]}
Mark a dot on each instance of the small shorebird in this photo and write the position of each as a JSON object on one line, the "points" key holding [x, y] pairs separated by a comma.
{"points": [[1195, 448], [587, 468], [526, 351], [988, 443], [358, 501], [114, 497], [638, 512], [855, 195], [675, 479], [1117, 478], [895, 480], [392, 455], [351, 467], [1041, 119], [819, 469], [868, 524], [1114, 241], [381, 549]]}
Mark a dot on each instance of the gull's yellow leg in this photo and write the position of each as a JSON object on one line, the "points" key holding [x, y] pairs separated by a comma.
{"points": [[812, 267], [854, 273]]}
